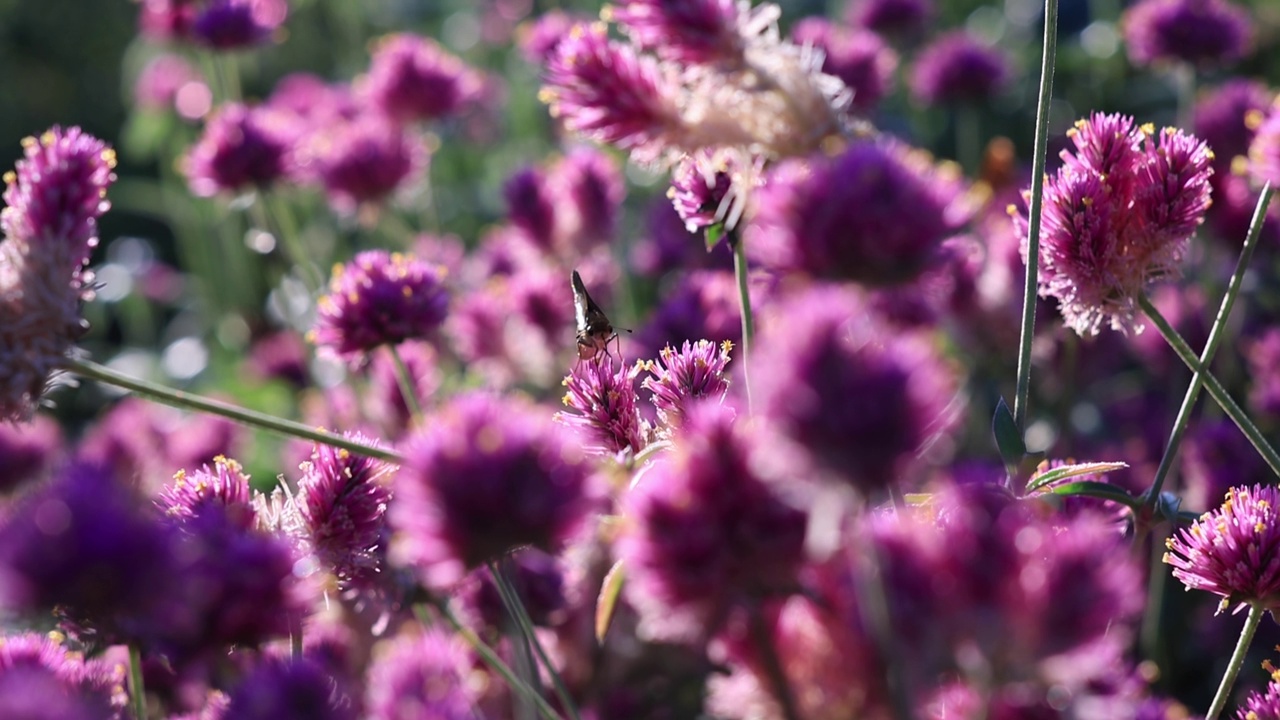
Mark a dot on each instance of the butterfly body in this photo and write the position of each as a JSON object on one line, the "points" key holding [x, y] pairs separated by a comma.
{"points": [[595, 332]]}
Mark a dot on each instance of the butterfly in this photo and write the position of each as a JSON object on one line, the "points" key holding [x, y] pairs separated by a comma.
{"points": [[595, 332]]}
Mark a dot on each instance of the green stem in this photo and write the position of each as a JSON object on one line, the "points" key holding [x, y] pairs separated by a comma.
{"points": [[1215, 388], [1216, 334], [408, 388], [744, 302], [1237, 661], [286, 230], [137, 690], [177, 398], [1034, 211], [511, 598]]}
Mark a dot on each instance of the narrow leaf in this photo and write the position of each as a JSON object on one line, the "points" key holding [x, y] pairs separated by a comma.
{"points": [[1069, 471], [1101, 490], [713, 235], [610, 591], [1008, 437]]}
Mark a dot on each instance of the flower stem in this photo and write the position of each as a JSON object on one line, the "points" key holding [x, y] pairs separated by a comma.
{"points": [[511, 598], [286, 230], [407, 386], [1034, 212], [773, 665], [1215, 388], [137, 691], [1237, 660], [1210, 348], [177, 398], [744, 302]]}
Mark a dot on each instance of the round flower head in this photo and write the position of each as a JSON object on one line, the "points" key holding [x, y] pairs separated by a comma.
{"points": [[530, 207], [539, 36], [861, 399], [1117, 216], [705, 532], [379, 298], [956, 68], [692, 31], [411, 78], [697, 193], [363, 160], [703, 305], [241, 148], [858, 57], [1262, 705], [679, 379], [93, 685], [224, 485], [1226, 118], [483, 476], [1264, 151], [601, 396], [1216, 457], [591, 190], [1233, 551], [876, 214], [1198, 32], [892, 17], [162, 80], [421, 677], [233, 24], [27, 451], [298, 689], [164, 20]]}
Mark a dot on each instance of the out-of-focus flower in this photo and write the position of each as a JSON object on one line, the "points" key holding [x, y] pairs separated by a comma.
{"points": [[529, 206], [538, 38], [858, 57], [1215, 458], [1117, 217], [342, 499], [695, 31], [242, 147], [167, 19], [363, 160], [296, 689], [235, 24], [1229, 551], [698, 193], [161, 81], [280, 356], [601, 397], [875, 214], [411, 78], [27, 451], [679, 379], [483, 476], [1198, 32], [667, 243], [591, 189], [536, 577], [703, 305], [1264, 151], [705, 532], [40, 678], [224, 485], [384, 402], [956, 68], [861, 400], [1263, 354], [902, 18], [1227, 117], [424, 676], [379, 298], [1234, 201]]}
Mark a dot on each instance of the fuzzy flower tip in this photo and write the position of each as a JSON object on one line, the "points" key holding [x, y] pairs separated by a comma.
{"points": [[681, 378], [601, 397], [379, 298], [412, 78], [363, 160], [1262, 705], [289, 690], [1233, 551], [1117, 217], [421, 677], [225, 485], [1264, 151], [956, 68], [864, 62], [234, 24], [694, 31], [40, 678], [1198, 32], [241, 148], [486, 475], [342, 499]]}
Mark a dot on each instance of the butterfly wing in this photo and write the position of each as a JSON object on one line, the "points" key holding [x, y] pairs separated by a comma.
{"points": [[582, 304], [593, 328]]}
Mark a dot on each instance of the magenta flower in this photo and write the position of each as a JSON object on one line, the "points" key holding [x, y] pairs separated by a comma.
{"points": [[1198, 32], [40, 678], [225, 485], [690, 31], [539, 37], [698, 192], [162, 79], [1117, 216], [412, 78], [379, 298], [1226, 117], [706, 533], [1263, 355], [683, 378], [235, 24], [601, 397], [483, 476], [892, 17], [1264, 151], [28, 451], [1233, 551], [955, 68], [241, 148], [363, 160], [296, 689], [530, 207], [591, 189], [164, 20], [858, 57], [1261, 705], [422, 676], [536, 576]]}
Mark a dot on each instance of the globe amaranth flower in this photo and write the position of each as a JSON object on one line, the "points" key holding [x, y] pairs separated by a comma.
{"points": [[1232, 551], [295, 689], [705, 533], [956, 68], [384, 401], [530, 206], [165, 20], [602, 401], [901, 18], [875, 214], [485, 475], [93, 687], [1227, 117], [412, 78], [1264, 151], [1198, 32], [1262, 705], [1117, 216], [591, 189], [225, 485], [536, 577], [342, 499], [698, 193], [27, 451], [362, 160], [1215, 458], [858, 57], [421, 676], [704, 304], [234, 24], [860, 399], [692, 31], [680, 379], [242, 148], [539, 37], [163, 80], [1263, 356], [379, 298]]}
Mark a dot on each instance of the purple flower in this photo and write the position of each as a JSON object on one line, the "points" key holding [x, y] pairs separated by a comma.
{"points": [[892, 17], [698, 192], [956, 68], [706, 532], [1215, 458], [484, 476], [162, 80], [280, 356], [384, 400], [167, 19], [876, 214], [1227, 116], [1231, 214], [234, 24], [225, 486], [703, 305], [241, 148], [27, 451], [424, 676], [537, 579], [39, 675], [667, 244], [1261, 705], [539, 37], [1199, 32], [1263, 354], [411, 78], [1264, 151], [530, 207], [1232, 551], [342, 500], [379, 298], [687, 31], [1117, 216], [858, 57], [363, 160], [591, 189], [289, 690], [862, 400], [601, 396], [681, 379]]}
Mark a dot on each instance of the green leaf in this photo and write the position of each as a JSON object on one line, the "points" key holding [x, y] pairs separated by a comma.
{"points": [[1169, 506], [713, 235], [607, 602], [1101, 490], [1069, 471], [1008, 437]]}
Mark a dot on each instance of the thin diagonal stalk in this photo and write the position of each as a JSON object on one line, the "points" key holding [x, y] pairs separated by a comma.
{"points": [[137, 691], [511, 598], [179, 399], [1034, 211], [408, 388], [1237, 660], [773, 666], [744, 303], [1216, 334], [1215, 388]]}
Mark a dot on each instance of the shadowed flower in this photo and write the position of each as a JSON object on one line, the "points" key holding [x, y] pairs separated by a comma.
{"points": [[705, 532], [363, 160], [858, 57], [379, 298], [1227, 117], [892, 17], [535, 576], [693, 31], [384, 401], [1263, 355], [411, 78], [682, 378], [224, 485], [342, 499], [703, 305], [27, 451], [530, 207], [1216, 457], [424, 676], [1264, 151], [483, 476], [58, 679], [591, 190], [956, 68], [1199, 32], [1117, 217], [601, 397], [234, 24], [241, 148], [297, 689], [1232, 551], [876, 214]]}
